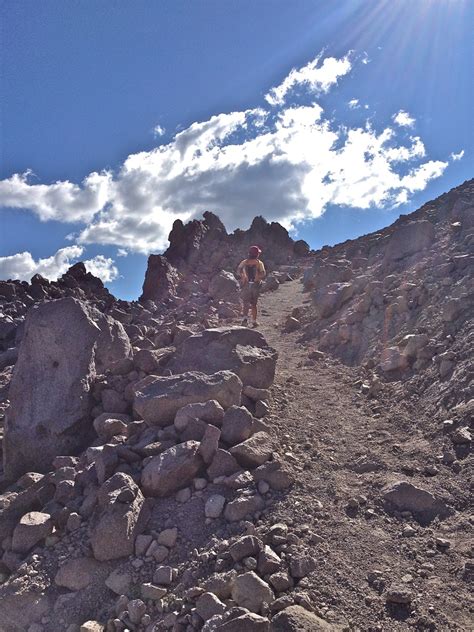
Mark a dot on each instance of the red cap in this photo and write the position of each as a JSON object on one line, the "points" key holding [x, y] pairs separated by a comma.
{"points": [[254, 251]]}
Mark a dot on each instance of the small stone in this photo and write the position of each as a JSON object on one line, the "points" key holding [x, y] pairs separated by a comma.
{"points": [[399, 595], [263, 487], [32, 528], [119, 582], [214, 506], [136, 609], [73, 522], [163, 575], [168, 537], [442, 543], [461, 436], [183, 495], [209, 605], [142, 542], [200, 483], [408, 531], [251, 592], [92, 626], [150, 591]]}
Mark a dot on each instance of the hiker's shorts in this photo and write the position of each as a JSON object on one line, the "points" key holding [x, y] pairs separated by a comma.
{"points": [[250, 293]]}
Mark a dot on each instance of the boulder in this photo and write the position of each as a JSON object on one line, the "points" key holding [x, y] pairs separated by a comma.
{"points": [[297, 619], [236, 425], [254, 451], [121, 515], [32, 528], [392, 359], [239, 349], [222, 464], [251, 592], [158, 399], [224, 286], [50, 392], [172, 469]]}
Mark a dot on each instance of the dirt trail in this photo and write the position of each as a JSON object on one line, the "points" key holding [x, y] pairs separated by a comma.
{"points": [[328, 429]]}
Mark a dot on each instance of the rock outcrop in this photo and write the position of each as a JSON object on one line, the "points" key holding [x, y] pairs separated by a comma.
{"points": [[64, 343]]}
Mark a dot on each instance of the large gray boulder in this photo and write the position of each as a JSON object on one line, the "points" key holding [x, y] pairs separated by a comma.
{"points": [[172, 469], [224, 286], [239, 349], [65, 344], [158, 398]]}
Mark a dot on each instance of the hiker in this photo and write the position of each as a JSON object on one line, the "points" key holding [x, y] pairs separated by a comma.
{"points": [[251, 272]]}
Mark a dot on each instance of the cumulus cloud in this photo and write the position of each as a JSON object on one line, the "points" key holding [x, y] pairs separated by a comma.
{"points": [[457, 156], [315, 77], [403, 119], [23, 266], [286, 162], [354, 104], [64, 201]]}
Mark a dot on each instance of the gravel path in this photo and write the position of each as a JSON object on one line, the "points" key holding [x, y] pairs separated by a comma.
{"points": [[328, 429]]}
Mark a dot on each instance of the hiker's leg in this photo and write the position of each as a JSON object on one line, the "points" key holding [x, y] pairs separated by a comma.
{"points": [[254, 312]]}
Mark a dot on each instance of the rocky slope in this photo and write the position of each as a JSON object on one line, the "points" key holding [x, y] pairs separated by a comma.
{"points": [[165, 469]]}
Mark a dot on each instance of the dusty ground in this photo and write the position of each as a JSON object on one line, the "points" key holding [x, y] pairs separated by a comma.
{"points": [[326, 426]]}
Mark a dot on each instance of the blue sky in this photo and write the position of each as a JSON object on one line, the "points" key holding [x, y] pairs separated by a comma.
{"points": [[117, 117]]}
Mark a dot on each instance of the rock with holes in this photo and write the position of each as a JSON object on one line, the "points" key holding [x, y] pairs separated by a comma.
{"points": [[50, 392]]}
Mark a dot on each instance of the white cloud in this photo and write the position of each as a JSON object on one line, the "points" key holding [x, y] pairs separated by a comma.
{"points": [[457, 156], [354, 104], [287, 163], [102, 267], [315, 77], [23, 266], [64, 201], [158, 131], [403, 119], [122, 252]]}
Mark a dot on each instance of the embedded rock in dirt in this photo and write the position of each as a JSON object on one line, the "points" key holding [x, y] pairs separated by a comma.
{"points": [[239, 349], [117, 522], [158, 399], [171, 470], [50, 398], [297, 619], [161, 280], [404, 496]]}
